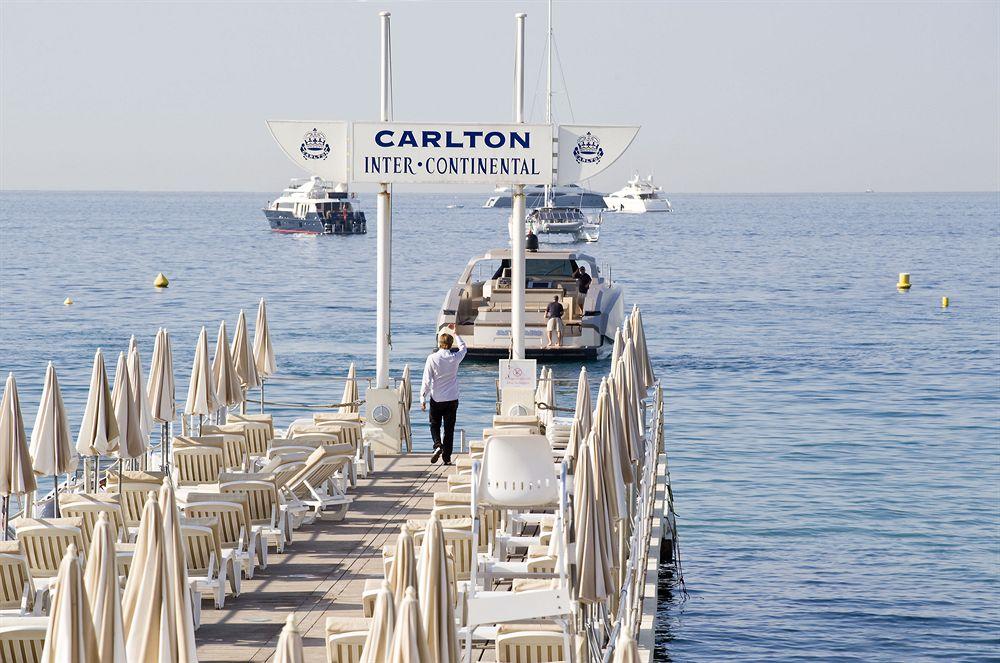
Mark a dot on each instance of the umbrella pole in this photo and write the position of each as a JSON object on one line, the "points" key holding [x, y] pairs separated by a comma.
{"points": [[201, 420], [120, 498], [55, 494], [6, 514], [262, 395], [164, 446], [243, 403]]}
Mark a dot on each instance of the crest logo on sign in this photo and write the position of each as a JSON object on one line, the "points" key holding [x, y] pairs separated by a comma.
{"points": [[314, 145], [588, 149]]}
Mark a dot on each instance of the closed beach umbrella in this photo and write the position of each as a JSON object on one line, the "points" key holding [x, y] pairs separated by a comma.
{"points": [[52, 451], [637, 391], [263, 353], [179, 603], [201, 397], [350, 391], [408, 643], [139, 395], [592, 560], [403, 571], [611, 466], [436, 608], [246, 364], [69, 635], [16, 474], [642, 350], [160, 391], [626, 411], [616, 349], [626, 648], [289, 649], [582, 415], [608, 421], [99, 429], [227, 382], [100, 578], [131, 443], [150, 626], [383, 624]]}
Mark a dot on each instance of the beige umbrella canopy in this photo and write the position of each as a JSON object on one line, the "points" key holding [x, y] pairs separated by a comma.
{"points": [[52, 451], [201, 399], [246, 364], [637, 390], [263, 353], [642, 354], [626, 648], [627, 411], [612, 467], [436, 607], [99, 430], [616, 349], [408, 642], [593, 562], [582, 415], [179, 596], [16, 475], [69, 635], [289, 649], [103, 594], [224, 376], [150, 624], [138, 384], [160, 386], [350, 391], [403, 570], [131, 443], [376, 649]]}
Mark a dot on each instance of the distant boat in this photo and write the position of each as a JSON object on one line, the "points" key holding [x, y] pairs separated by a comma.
{"points": [[318, 207], [869, 190], [638, 197], [455, 206], [569, 195]]}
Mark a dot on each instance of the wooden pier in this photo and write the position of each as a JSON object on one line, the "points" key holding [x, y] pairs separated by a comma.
{"points": [[322, 573]]}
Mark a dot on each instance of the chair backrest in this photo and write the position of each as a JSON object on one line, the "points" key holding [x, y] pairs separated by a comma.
{"points": [[200, 544], [290, 451], [321, 465], [45, 541], [230, 516], [518, 471], [14, 575], [195, 465], [261, 496], [459, 541], [530, 647], [89, 507], [21, 644], [282, 470], [490, 516], [345, 647], [233, 444], [254, 418], [317, 439]]}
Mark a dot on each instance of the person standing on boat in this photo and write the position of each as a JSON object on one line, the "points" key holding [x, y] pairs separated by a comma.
{"points": [[440, 386], [554, 313], [582, 279]]}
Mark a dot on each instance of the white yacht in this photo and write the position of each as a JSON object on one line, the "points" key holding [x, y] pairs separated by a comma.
{"points": [[638, 196], [479, 305], [318, 207], [567, 195], [566, 221]]}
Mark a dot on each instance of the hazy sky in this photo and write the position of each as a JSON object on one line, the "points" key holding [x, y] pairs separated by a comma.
{"points": [[731, 96]]}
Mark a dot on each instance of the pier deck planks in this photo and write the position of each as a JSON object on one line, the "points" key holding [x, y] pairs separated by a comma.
{"points": [[322, 573]]}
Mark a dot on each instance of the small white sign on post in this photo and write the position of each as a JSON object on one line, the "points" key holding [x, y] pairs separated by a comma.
{"points": [[448, 153], [518, 374]]}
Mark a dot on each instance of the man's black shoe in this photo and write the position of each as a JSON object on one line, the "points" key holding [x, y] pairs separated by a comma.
{"points": [[447, 462], [436, 455]]}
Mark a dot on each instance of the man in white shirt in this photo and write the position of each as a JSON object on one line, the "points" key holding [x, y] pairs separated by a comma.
{"points": [[440, 386]]}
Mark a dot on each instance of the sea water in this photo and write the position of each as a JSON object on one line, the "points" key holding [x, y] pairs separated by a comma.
{"points": [[834, 443]]}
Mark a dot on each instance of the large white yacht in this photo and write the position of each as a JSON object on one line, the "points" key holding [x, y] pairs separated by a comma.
{"points": [[569, 222], [638, 196], [479, 305], [567, 195], [315, 206]]}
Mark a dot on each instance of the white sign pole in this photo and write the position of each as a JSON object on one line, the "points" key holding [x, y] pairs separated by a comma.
{"points": [[517, 238], [383, 232]]}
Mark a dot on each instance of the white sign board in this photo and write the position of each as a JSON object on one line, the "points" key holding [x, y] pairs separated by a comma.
{"points": [[518, 373], [587, 150], [445, 153], [320, 148]]}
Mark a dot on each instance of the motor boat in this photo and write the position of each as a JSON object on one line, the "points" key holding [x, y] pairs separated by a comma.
{"points": [[479, 305], [316, 206], [638, 196], [569, 195], [568, 221]]}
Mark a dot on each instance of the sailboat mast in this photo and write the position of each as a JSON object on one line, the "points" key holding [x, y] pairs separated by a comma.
{"points": [[548, 93]]}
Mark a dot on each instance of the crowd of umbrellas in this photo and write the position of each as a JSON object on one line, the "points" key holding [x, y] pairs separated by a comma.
{"points": [[119, 418]]}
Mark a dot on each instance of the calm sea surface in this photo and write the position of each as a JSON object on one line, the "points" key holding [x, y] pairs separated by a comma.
{"points": [[834, 444]]}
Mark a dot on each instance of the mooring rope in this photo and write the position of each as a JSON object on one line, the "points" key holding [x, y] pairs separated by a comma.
{"points": [[325, 406], [546, 406]]}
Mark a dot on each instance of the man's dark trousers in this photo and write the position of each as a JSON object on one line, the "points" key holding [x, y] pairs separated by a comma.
{"points": [[445, 412]]}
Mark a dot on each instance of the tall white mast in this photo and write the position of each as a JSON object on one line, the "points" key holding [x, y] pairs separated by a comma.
{"points": [[383, 210], [517, 238], [548, 92]]}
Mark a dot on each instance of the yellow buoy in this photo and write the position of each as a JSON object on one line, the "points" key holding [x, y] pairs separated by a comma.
{"points": [[944, 302], [161, 281], [904, 281], [67, 302]]}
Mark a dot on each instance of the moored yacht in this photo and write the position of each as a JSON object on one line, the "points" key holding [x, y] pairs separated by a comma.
{"points": [[570, 221], [479, 305], [316, 206], [569, 195], [638, 196]]}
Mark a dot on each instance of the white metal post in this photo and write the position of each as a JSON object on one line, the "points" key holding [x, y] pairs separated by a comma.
{"points": [[518, 211], [383, 229]]}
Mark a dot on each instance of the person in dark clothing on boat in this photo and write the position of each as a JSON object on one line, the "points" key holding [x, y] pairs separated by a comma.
{"points": [[531, 241], [554, 313], [583, 279]]}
